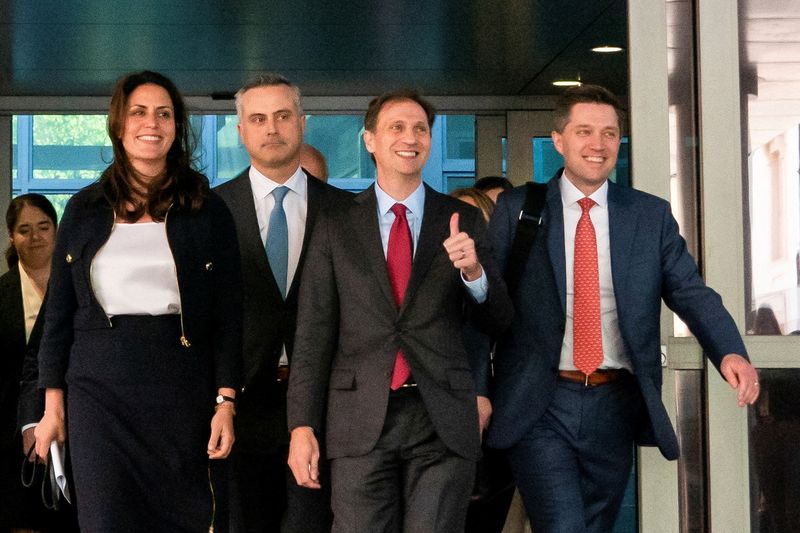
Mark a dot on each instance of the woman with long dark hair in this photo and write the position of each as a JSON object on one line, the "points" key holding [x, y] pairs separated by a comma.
{"points": [[140, 355]]}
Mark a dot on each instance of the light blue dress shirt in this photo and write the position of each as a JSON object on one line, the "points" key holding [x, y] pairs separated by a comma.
{"points": [[415, 210]]}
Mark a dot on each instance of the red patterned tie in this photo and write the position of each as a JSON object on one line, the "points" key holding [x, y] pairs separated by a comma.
{"points": [[587, 337], [398, 262]]}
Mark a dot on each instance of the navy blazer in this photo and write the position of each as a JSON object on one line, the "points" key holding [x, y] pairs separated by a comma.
{"points": [[204, 246], [649, 262]]}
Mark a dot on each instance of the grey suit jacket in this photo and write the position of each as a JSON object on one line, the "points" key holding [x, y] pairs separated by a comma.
{"points": [[349, 329]]}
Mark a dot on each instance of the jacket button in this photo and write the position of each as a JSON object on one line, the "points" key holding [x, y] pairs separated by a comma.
{"points": [[209, 266], [69, 258]]}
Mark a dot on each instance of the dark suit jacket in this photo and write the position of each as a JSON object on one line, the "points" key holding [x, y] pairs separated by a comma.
{"points": [[349, 329], [12, 340], [649, 262], [269, 321]]}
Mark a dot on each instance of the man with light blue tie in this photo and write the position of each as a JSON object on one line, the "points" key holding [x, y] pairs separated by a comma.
{"points": [[274, 204]]}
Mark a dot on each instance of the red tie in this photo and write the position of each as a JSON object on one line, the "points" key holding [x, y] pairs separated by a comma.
{"points": [[587, 337], [398, 262]]}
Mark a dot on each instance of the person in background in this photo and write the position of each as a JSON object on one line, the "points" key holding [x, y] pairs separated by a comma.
{"points": [[493, 186], [142, 339], [475, 198], [31, 224], [313, 162]]}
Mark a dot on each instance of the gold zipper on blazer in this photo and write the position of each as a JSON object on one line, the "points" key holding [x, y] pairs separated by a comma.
{"points": [[184, 341]]}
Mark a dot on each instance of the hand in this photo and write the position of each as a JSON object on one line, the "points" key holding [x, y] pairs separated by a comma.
{"points": [[51, 427], [484, 413], [222, 436], [28, 440], [461, 249], [304, 457], [742, 377]]}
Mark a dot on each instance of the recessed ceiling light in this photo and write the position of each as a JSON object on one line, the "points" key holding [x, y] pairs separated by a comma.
{"points": [[607, 49], [567, 83]]}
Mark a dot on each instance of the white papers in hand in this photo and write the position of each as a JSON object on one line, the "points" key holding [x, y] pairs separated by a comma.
{"points": [[57, 455]]}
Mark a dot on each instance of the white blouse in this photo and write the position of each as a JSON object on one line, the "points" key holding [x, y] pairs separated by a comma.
{"points": [[31, 301], [134, 272]]}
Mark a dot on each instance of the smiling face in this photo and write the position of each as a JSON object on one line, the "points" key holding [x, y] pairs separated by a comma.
{"points": [[271, 127], [589, 144], [401, 141], [149, 129], [33, 237]]}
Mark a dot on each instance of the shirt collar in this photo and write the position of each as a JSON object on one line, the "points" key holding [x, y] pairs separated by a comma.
{"points": [[414, 203], [263, 186], [570, 194]]}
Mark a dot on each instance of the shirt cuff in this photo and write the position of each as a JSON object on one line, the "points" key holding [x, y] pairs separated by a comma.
{"points": [[477, 288], [28, 426]]}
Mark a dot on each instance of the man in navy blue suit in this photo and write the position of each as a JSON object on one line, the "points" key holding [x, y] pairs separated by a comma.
{"points": [[578, 376]]}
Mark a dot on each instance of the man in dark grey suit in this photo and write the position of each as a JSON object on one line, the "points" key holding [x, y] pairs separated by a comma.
{"points": [[379, 359], [578, 376], [271, 125]]}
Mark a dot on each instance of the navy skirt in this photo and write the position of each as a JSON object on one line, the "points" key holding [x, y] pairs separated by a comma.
{"points": [[139, 407]]}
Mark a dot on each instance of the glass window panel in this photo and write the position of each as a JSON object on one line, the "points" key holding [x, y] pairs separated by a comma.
{"points": [[232, 158], [338, 137], [70, 146], [460, 136], [770, 84], [14, 149], [774, 423]]}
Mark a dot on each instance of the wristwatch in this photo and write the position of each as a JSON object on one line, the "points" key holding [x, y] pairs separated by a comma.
{"points": [[222, 398]]}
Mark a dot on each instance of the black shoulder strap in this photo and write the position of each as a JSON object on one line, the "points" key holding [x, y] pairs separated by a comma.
{"points": [[530, 218]]}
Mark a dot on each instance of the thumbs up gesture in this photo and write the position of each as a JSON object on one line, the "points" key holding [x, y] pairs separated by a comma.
{"points": [[461, 249]]}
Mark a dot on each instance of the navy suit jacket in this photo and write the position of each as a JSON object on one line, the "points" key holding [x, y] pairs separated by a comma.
{"points": [[649, 262]]}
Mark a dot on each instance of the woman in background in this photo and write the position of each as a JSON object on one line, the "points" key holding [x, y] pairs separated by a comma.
{"points": [[31, 223], [475, 198], [141, 345]]}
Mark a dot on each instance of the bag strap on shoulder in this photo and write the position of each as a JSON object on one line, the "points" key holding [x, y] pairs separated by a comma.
{"points": [[530, 219]]}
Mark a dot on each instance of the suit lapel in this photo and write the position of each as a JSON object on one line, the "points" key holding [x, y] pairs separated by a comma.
{"points": [[365, 224], [252, 248], [316, 193], [622, 229], [433, 232], [555, 238]]}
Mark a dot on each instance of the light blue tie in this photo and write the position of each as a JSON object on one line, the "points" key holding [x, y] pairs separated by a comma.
{"points": [[277, 244]]}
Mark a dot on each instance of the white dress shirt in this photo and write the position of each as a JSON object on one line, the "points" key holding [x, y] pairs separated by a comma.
{"points": [[295, 204], [613, 347]]}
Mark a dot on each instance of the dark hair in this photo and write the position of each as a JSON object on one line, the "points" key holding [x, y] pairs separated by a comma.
{"points": [[12, 216], [375, 106], [268, 79], [487, 183], [584, 94], [179, 185], [482, 201]]}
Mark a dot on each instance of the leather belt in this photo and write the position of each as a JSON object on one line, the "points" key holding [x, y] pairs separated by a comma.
{"points": [[598, 377], [282, 373]]}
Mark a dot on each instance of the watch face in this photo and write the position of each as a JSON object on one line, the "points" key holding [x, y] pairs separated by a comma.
{"points": [[220, 399]]}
